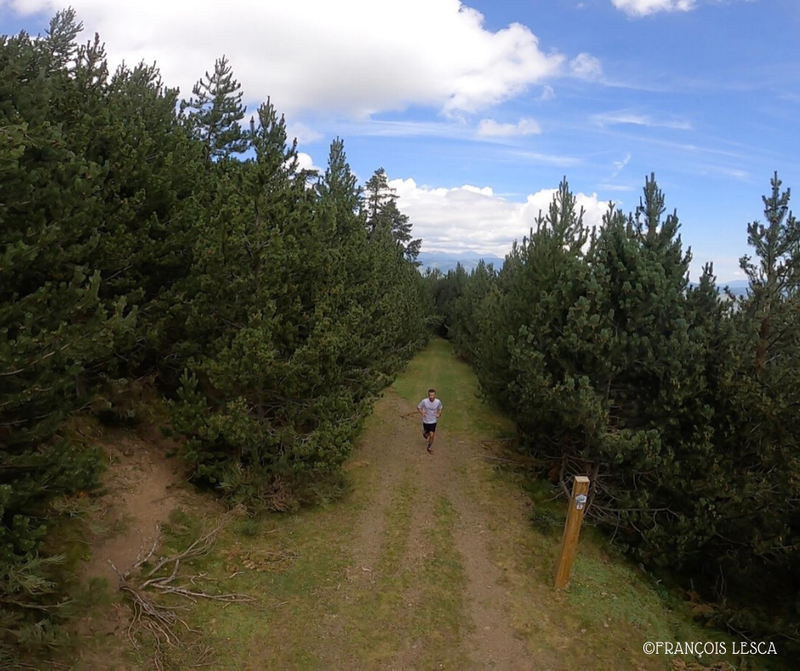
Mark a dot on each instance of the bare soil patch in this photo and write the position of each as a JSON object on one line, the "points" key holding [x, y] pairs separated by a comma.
{"points": [[143, 484], [143, 487]]}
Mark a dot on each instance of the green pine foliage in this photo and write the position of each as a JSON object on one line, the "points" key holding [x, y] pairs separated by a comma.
{"points": [[457, 296], [146, 239], [215, 112], [384, 219], [58, 334], [681, 403]]}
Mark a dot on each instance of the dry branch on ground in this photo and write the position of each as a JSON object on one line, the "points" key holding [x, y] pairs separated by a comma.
{"points": [[165, 577]]}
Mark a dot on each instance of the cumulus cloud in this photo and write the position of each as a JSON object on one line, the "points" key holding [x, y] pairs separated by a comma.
{"points": [[305, 162], [645, 7], [356, 57], [473, 218], [491, 128]]}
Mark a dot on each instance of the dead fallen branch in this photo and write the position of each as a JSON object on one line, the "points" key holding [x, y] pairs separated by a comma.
{"points": [[158, 620], [143, 560], [165, 577], [198, 548]]}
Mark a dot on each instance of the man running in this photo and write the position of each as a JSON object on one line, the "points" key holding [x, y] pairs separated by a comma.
{"points": [[431, 409]]}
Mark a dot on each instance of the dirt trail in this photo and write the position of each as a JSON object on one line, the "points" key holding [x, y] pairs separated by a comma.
{"points": [[395, 447], [492, 644], [380, 452]]}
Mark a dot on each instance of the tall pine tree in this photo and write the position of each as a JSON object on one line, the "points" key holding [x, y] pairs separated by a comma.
{"points": [[383, 217], [215, 112], [776, 276]]}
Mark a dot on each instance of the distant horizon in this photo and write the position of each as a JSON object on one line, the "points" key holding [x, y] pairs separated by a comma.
{"points": [[475, 254]]}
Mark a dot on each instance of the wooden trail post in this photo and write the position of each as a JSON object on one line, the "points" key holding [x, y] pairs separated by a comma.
{"points": [[569, 541]]}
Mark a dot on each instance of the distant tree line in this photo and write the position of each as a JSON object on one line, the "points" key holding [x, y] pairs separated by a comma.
{"points": [[681, 403], [145, 238]]}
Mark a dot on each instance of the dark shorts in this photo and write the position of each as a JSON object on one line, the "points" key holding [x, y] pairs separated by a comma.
{"points": [[429, 428]]}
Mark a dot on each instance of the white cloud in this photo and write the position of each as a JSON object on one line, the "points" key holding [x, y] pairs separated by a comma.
{"points": [[305, 162], [622, 117], [490, 128], [645, 7], [356, 57], [548, 159], [303, 133], [586, 66], [470, 217], [734, 172], [487, 130], [548, 93]]}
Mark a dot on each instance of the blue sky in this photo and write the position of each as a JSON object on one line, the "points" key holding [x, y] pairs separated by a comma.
{"points": [[476, 111]]}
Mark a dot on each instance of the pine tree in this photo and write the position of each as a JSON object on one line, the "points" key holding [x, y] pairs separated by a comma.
{"points": [[384, 218], [529, 302], [757, 536], [215, 111], [58, 335], [130, 248], [339, 185], [680, 405], [777, 275], [60, 39], [401, 230], [465, 330], [376, 194]]}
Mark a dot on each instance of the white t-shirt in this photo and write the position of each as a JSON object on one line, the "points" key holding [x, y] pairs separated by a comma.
{"points": [[429, 410]]}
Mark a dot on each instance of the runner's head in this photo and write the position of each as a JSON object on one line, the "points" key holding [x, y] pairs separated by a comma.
{"points": [[431, 394]]}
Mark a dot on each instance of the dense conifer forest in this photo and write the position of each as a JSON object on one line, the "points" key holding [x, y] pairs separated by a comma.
{"points": [[149, 238], [681, 402], [146, 239]]}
